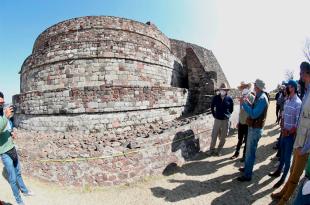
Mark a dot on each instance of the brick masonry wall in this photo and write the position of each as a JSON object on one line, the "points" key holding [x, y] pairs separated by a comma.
{"points": [[101, 65], [95, 49], [100, 22], [98, 86], [206, 57], [95, 72], [95, 122], [100, 99], [153, 155], [149, 150]]}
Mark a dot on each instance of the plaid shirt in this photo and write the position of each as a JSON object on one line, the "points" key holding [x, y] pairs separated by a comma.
{"points": [[291, 112]]}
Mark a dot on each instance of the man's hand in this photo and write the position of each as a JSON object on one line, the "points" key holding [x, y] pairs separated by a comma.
{"points": [[14, 134], [293, 131], [8, 112], [298, 150]]}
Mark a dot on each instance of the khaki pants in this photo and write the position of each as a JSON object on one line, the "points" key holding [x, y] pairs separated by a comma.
{"points": [[298, 166], [220, 128]]}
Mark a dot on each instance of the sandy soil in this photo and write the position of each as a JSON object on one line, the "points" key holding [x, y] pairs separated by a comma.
{"points": [[209, 180]]}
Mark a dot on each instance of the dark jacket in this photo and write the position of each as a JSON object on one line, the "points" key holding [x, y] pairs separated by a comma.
{"points": [[277, 95], [222, 109]]}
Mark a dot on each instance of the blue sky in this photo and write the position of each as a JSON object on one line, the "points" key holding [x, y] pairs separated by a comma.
{"points": [[263, 36], [22, 21]]}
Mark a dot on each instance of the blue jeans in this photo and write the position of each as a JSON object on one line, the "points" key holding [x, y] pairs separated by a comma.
{"points": [[254, 134], [286, 145], [302, 199], [14, 177]]}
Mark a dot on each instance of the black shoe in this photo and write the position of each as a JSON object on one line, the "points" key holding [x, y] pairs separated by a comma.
{"points": [[234, 156], [241, 169], [243, 179], [278, 184], [277, 173], [217, 153], [276, 196], [210, 153]]}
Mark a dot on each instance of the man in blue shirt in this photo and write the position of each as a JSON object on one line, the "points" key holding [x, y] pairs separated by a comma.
{"points": [[288, 129], [257, 116], [221, 107]]}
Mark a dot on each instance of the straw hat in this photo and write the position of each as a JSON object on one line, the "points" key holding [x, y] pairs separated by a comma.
{"points": [[244, 85], [223, 86]]}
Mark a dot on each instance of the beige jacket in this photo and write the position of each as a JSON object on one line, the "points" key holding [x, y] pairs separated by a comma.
{"points": [[303, 130]]}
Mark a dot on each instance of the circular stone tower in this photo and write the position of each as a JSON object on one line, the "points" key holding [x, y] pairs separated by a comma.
{"points": [[96, 73]]}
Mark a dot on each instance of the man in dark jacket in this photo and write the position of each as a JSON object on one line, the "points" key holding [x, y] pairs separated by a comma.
{"points": [[221, 107]]}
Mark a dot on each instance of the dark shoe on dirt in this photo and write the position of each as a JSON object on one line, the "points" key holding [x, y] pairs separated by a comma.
{"points": [[278, 184], [277, 173], [243, 179], [235, 156], [276, 195]]}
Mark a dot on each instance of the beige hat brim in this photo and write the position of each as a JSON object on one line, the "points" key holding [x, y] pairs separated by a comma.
{"points": [[223, 89], [248, 85]]}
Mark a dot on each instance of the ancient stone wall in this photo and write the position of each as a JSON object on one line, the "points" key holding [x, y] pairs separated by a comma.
{"points": [[100, 65], [106, 100], [113, 159], [205, 56]]}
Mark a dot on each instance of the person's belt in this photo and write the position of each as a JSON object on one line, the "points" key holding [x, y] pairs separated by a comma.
{"points": [[286, 133]]}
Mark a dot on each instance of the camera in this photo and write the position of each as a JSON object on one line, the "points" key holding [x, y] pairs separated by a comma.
{"points": [[11, 106]]}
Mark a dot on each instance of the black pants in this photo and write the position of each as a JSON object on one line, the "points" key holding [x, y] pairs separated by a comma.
{"points": [[278, 107], [242, 136], [278, 146]]}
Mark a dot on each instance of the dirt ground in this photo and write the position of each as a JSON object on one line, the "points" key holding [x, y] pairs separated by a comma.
{"points": [[210, 180]]}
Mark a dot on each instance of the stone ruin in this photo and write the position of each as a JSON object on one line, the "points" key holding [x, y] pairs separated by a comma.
{"points": [[106, 100]]}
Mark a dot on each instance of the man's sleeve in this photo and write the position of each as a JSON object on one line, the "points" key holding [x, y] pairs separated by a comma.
{"points": [[306, 148], [3, 122], [297, 110], [257, 110], [213, 105], [231, 108], [277, 96]]}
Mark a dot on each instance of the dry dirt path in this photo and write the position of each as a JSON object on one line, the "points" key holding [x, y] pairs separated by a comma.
{"points": [[207, 181]]}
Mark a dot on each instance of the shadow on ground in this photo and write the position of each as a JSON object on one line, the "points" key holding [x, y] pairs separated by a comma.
{"points": [[225, 184], [5, 203]]}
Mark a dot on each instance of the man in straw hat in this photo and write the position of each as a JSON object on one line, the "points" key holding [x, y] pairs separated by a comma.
{"points": [[221, 107], [256, 120], [242, 126]]}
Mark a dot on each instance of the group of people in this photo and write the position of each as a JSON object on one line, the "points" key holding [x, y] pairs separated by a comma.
{"points": [[293, 115], [9, 154]]}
